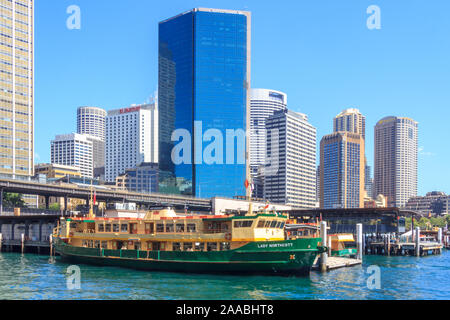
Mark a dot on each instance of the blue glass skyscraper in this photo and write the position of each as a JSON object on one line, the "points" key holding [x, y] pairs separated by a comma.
{"points": [[204, 80]]}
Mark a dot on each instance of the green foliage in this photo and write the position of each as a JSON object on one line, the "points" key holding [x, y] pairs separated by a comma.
{"points": [[428, 223], [13, 200], [55, 207]]}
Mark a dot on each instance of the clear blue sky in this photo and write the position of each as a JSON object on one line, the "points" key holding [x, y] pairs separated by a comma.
{"points": [[320, 53]]}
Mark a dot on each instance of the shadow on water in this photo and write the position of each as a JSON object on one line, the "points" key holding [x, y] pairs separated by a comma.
{"points": [[41, 277]]}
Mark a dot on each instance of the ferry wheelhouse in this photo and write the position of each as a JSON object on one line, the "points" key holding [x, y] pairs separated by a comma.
{"points": [[165, 241]]}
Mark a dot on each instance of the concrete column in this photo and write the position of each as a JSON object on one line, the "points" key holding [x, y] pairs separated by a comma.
{"points": [[12, 230], [51, 245], [47, 202], [359, 241], [417, 240], [40, 230], [1, 242], [440, 235], [22, 242], [324, 255], [65, 205]]}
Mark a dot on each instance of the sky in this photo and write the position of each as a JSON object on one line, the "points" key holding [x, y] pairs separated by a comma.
{"points": [[319, 52]]}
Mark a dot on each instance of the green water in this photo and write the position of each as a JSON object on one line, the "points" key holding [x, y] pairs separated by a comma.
{"points": [[38, 277]]}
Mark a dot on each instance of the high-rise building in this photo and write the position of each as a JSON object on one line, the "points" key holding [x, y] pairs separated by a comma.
{"points": [[368, 182], [204, 102], [342, 171], [17, 89], [143, 178], [396, 153], [131, 139], [263, 104], [291, 148], [92, 121], [350, 120], [73, 150]]}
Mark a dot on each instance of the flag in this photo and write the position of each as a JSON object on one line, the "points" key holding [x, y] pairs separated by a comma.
{"points": [[95, 197], [266, 207], [247, 184]]}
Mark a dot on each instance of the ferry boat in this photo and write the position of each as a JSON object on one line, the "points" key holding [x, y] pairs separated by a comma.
{"points": [[343, 245], [164, 241]]}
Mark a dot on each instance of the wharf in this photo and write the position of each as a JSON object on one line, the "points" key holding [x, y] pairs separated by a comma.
{"points": [[404, 248], [337, 263]]}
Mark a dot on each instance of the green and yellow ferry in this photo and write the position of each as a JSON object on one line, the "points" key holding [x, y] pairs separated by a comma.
{"points": [[165, 241]]}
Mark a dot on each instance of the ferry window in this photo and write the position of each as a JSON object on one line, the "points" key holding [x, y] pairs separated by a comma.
{"points": [[191, 227], [273, 224], [261, 223], [211, 246], [199, 246], [180, 227], [159, 227], [156, 246], [187, 246], [124, 228], [282, 225], [115, 228], [108, 228], [101, 228], [267, 224], [73, 225], [224, 227], [243, 224], [224, 246], [85, 243], [169, 227], [176, 246], [137, 246], [104, 244], [90, 243], [97, 244]]}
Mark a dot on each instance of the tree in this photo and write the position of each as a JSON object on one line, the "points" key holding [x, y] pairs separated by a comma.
{"points": [[13, 200]]}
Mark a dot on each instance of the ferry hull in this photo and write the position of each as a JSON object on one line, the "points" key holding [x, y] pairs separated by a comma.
{"points": [[255, 258]]}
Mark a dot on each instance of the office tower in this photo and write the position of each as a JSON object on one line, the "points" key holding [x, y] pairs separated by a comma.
{"points": [[396, 152], [318, 186], [291, 150], [263, 104], [73, 150], [143, 178], [204, 102], [350, 120], [17, 89], [342, 171], [91, 120], [131, 138], [368, 184]]}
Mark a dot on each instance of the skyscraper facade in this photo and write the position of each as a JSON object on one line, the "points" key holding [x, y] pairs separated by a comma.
{"points": [[17, 87], [342, 171], [264, 103], [73, 150], [396, 156], [204, 81], [131, 139], [291, 147], [91, 120], [350, 120]]}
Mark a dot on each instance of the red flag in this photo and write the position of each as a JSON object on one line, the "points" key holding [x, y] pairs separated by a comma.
{"points": [[95, 197], [247, 184], [266, 207]]}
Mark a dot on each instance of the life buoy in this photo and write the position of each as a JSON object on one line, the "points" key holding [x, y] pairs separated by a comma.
{"points": [[228, 236]]}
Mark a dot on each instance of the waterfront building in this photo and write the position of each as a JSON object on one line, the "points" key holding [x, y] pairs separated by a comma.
{"points": [[342, 171], [143, 179], [435, 203], [17, 86], [291, 148], [350, 120], [396, 156], [263, 104], [204, 82], [131, 138], [73, 150]]}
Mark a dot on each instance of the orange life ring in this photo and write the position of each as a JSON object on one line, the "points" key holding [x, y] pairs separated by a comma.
{"points": [[228, 236]]}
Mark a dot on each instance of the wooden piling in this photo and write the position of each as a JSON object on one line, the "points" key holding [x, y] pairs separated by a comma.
{"points": [[1, 242], [51, 245], [389, 244], [359, 241], [22, 242], [324, 255], [417, 238]]}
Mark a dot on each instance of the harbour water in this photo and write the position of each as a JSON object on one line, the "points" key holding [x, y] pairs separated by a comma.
{"points": [[34, 277]]}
